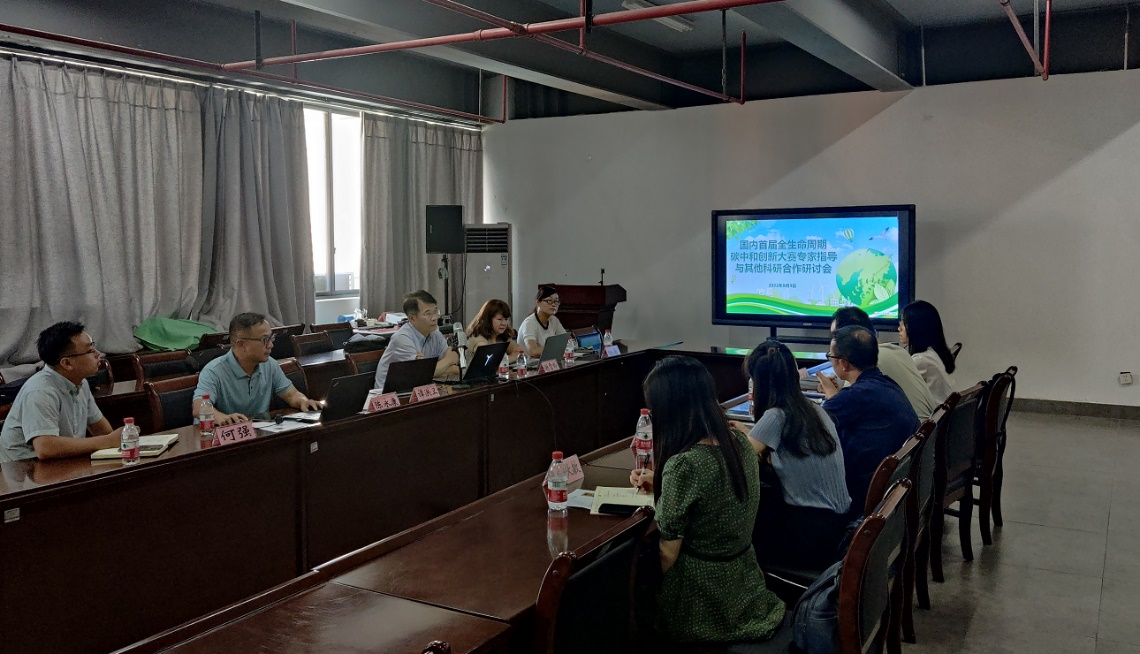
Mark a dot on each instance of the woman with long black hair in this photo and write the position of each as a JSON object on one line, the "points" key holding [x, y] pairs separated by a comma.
{"points": [[706, 493], [807, 459], [920, 332]]}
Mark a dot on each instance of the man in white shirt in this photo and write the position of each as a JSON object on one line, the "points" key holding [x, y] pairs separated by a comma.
{"points": [[542, 324]]}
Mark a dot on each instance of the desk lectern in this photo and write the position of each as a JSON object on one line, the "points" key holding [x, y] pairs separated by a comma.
{"points": [[587, 306]]}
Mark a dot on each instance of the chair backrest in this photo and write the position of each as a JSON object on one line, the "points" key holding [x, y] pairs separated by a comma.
{"points": [[311, 344], [295, 374], [156, 366], [891, 470], [955, 349], [921, 500], [1004, 401], [212, 340], [870, 570], [205, 356], [991, 422], [283, 345], [171, 403], [584, 601], [957, 442], [364, 361], [102, 382], [338, 332]]}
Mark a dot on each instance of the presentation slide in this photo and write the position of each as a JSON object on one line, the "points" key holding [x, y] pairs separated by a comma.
{"points": [[811, 267]]}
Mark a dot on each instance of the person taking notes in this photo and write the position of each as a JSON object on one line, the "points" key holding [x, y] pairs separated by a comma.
{"points": [[419, 338], [542, 324], [54, 410], [493, 325], [243, 381]]}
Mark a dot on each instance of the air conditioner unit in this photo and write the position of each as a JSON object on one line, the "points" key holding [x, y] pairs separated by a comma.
{"points": [[487, 273]]}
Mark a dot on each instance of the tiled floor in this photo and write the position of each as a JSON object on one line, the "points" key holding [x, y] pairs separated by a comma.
{"points": [[1063, 574]]}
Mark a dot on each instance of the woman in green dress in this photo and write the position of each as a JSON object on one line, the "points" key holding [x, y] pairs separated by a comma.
{"points": [[707, 494]]}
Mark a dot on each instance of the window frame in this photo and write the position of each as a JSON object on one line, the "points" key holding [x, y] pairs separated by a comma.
{"points": [[330, 222]]}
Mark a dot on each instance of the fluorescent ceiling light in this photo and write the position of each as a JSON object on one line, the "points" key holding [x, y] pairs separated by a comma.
{"points": [[678, 23]]}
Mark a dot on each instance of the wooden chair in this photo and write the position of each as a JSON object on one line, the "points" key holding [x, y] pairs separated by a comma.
{"points": [[955, 349], [283, 345], [171, 403], [364, 361], [920, 504], [202, 357], [157, 366], [311, 344], [339, 332], [997, 422], [583, 602], [296, 375], [212, 340], [954, 470], [102, 382]]}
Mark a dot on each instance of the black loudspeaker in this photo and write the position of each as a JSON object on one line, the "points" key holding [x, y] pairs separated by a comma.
{"points": [[445, 229]]}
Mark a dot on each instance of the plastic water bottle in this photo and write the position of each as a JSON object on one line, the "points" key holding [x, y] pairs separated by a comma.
{"points": [[608, 339], [643, 442], [520, 366], [557, 480], [504, 369], [751, 398], [568, 356], [206, 417], [129, 442]]}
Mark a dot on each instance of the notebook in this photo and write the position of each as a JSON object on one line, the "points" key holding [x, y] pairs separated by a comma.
{"points": [[619, 501], [152, 445]]}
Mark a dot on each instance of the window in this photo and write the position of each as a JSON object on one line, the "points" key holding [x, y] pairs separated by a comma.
{"points": [[333, 140]]}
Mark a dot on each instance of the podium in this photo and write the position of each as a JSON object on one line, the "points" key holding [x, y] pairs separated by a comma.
{"points": [[587, 306]]}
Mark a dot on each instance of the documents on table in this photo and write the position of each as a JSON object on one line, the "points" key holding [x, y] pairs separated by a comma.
{"points": [[152, 445], [621, 497]]}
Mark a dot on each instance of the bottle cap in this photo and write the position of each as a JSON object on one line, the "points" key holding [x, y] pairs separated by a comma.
{"points": [[645, 412], [128, 421], [557, 455]]}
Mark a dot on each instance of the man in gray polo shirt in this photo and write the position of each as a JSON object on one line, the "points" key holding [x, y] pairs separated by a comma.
{"points": [[54, 410], [243, 381], [417, 339]]}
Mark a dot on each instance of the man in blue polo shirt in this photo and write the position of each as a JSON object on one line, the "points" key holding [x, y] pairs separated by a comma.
{"points": [[872, 414], [54, 410], [243, 381], [417, 339]]}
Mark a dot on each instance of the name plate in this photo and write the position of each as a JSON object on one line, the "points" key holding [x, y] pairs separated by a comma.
{"points": [[550, 365], [574, 467], [425, 393], [235, 433], [381, 402], [611, 351]]}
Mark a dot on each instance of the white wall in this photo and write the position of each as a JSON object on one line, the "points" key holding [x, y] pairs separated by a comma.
{"points": [[1027, 195], [329, 309]]}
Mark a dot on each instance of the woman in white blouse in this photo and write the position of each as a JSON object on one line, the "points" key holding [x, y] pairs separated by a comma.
{"points": [[920, 331]]}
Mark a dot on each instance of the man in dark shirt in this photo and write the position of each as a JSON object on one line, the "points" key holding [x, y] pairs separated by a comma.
{"points": [[872, 414]]}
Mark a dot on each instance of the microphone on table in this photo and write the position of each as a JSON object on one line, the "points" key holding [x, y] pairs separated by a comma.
{"points": [[461, 347]]}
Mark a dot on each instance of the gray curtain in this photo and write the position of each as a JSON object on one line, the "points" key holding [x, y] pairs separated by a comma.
{"points": [[100, 202], [255, 209], [408, 165]]}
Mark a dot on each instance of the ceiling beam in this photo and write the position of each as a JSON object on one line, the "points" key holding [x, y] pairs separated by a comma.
{"points": [[851, 35], [398, 20]]}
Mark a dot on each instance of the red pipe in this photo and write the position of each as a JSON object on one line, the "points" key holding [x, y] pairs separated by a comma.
{"points": [[514, 27], [1038, 67], [530, 29], [208, 65], [1048, 31], [293, 43]]}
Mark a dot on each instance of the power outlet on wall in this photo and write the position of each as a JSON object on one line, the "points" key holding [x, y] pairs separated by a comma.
{"points": [[1125, 379]]}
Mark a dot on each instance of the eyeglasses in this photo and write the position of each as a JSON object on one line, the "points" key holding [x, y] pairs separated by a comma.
{"points": [[93, 350], [265, 340], [834, 356], [551, 302]]}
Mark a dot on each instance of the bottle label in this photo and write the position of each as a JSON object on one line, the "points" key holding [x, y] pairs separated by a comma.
{"points": [[556, 495], [131, 454], [206, 425]]}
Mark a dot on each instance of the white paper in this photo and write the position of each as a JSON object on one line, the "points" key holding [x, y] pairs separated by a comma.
{"points": [[288, 425], [580, 499]]}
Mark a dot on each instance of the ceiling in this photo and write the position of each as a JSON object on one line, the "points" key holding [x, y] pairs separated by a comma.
{"points": [[937, 13]]}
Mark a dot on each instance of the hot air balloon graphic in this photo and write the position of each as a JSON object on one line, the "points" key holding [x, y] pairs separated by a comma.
{"points": [[848, 234]]}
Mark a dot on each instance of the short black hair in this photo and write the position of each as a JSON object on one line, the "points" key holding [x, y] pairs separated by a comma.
{"points": [[545, 291], [857, 345], [847, 316], [55, 340], [412, 301], [244, 322]]}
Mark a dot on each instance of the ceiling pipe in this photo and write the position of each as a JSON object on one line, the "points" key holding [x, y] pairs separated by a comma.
{"points": [[1039, 68], [215, 67], [517, 30]]}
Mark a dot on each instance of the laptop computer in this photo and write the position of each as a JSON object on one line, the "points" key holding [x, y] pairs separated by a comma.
{"points": [[590, 340], [553, 350], [482, 364], [346, 396], [403, 376]]}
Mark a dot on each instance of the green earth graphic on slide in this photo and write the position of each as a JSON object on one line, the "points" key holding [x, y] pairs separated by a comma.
{"points": [[866, 276]]}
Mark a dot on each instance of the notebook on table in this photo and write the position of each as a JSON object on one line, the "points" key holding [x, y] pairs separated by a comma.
{"points": [[152, 445]]}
